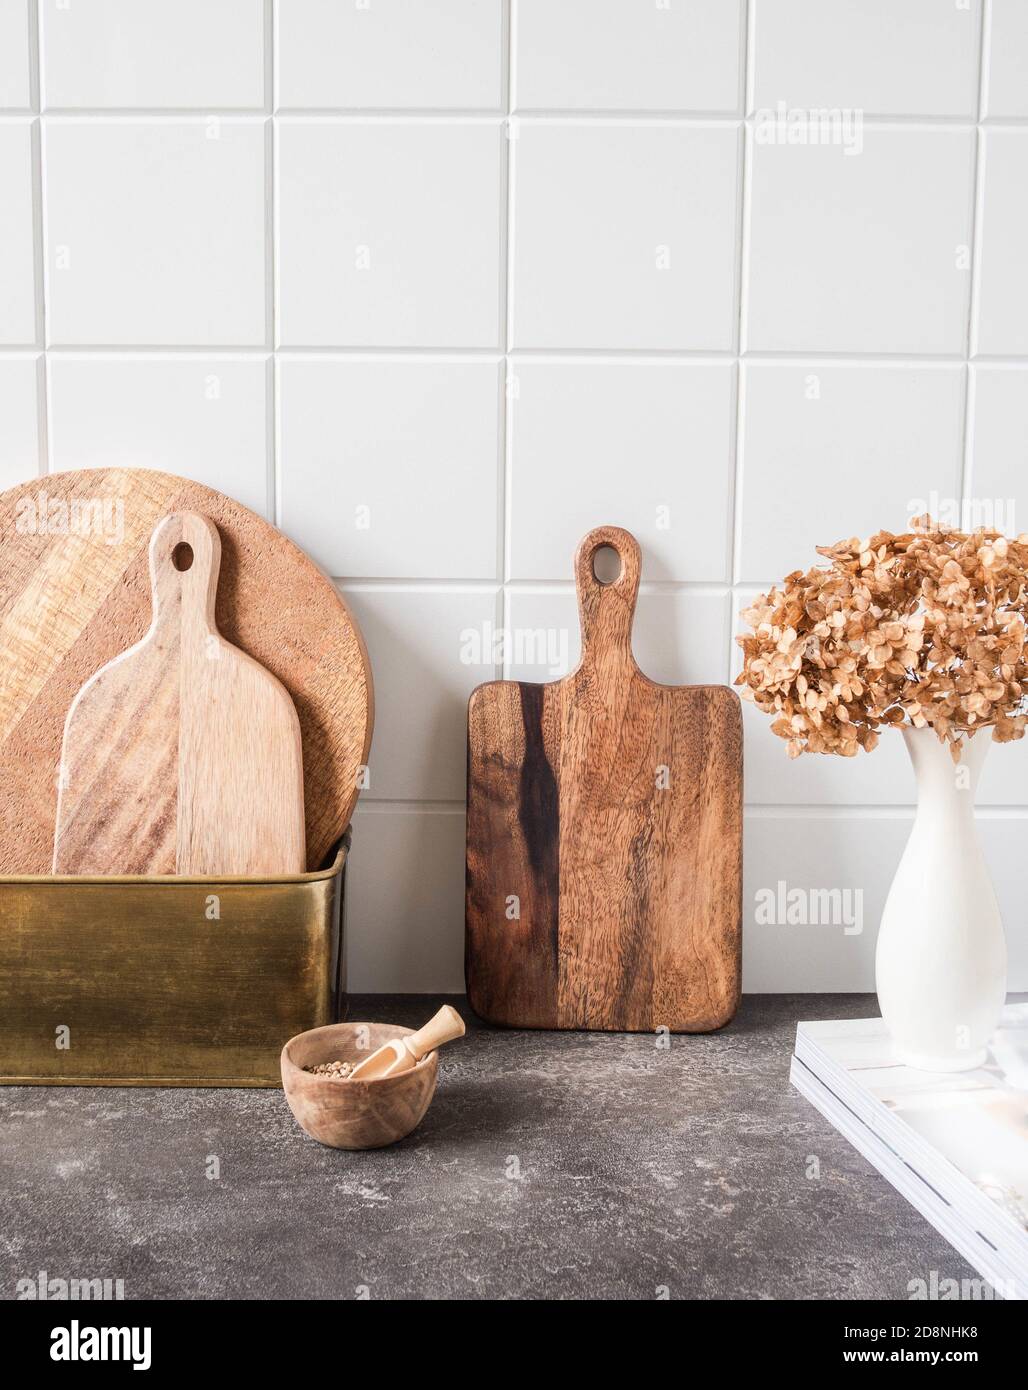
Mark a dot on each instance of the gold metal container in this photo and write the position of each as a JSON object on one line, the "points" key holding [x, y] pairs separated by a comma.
{"points": [[165, 981]]}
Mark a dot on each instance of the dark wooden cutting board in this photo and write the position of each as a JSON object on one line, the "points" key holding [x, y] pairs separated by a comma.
{"points": [[604, 839]]}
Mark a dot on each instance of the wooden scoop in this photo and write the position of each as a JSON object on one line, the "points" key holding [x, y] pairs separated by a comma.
{"points": [[404, 1053]]}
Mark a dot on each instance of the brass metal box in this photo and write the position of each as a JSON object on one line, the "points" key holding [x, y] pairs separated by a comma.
{"points": [[165, 981]]}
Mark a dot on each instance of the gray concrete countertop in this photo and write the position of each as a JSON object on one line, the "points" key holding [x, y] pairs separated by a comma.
{"points": [[550, 1165]]}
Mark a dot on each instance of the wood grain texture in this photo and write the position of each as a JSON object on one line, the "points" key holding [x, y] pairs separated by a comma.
{"points": [[75, 592], [182, 755], [404, 1053], [610, 808]]}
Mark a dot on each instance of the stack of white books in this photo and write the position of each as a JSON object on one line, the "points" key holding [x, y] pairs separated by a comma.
{"points": [[955, 1144]]}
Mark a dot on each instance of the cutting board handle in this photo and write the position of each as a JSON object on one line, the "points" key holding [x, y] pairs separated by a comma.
{"points": [[185, 558], [607, 610]]}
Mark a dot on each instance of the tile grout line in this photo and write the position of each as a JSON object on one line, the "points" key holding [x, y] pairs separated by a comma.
{"points": [[152, 115], [504, 441], [43, 393], [509, 380], [543, 587], [735, 539], [35, 65], [642, 357], [273, 483], [156, 115], [973, 294]]}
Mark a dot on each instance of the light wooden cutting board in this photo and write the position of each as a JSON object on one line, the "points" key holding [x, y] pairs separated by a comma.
{"points": [[75, 593], [604, 836], [182, 755]]}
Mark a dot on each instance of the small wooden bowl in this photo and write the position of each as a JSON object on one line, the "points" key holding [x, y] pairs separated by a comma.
{"points": [[355, 1114]]}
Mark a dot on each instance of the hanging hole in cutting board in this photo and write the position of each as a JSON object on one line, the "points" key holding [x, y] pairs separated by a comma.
{"points": [[606, 565], [182, 556]]}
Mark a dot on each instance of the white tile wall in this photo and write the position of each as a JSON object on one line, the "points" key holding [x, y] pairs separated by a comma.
{"points": [[859, 853], [18, 273], [863, 253], [624, 235], [840, 450], [15, 62], [200, 416], [439, 284], [999, 437], [413, 454], [1002, 320], [19, 417], [426, 662], [155, 231], [619, 55], [151, 54], [912, 58], [1005, 91], [389, 233], [669, 426], [423, 55]]}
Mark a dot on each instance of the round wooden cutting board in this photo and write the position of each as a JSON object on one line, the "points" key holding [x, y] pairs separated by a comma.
{"points": [[75, 592]]}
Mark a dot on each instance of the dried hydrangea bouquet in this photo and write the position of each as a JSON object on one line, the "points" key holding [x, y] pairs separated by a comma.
{"points": [[924, 632]]}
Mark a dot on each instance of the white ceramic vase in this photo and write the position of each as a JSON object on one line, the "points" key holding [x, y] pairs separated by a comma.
{"points": [[941, 963]]}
